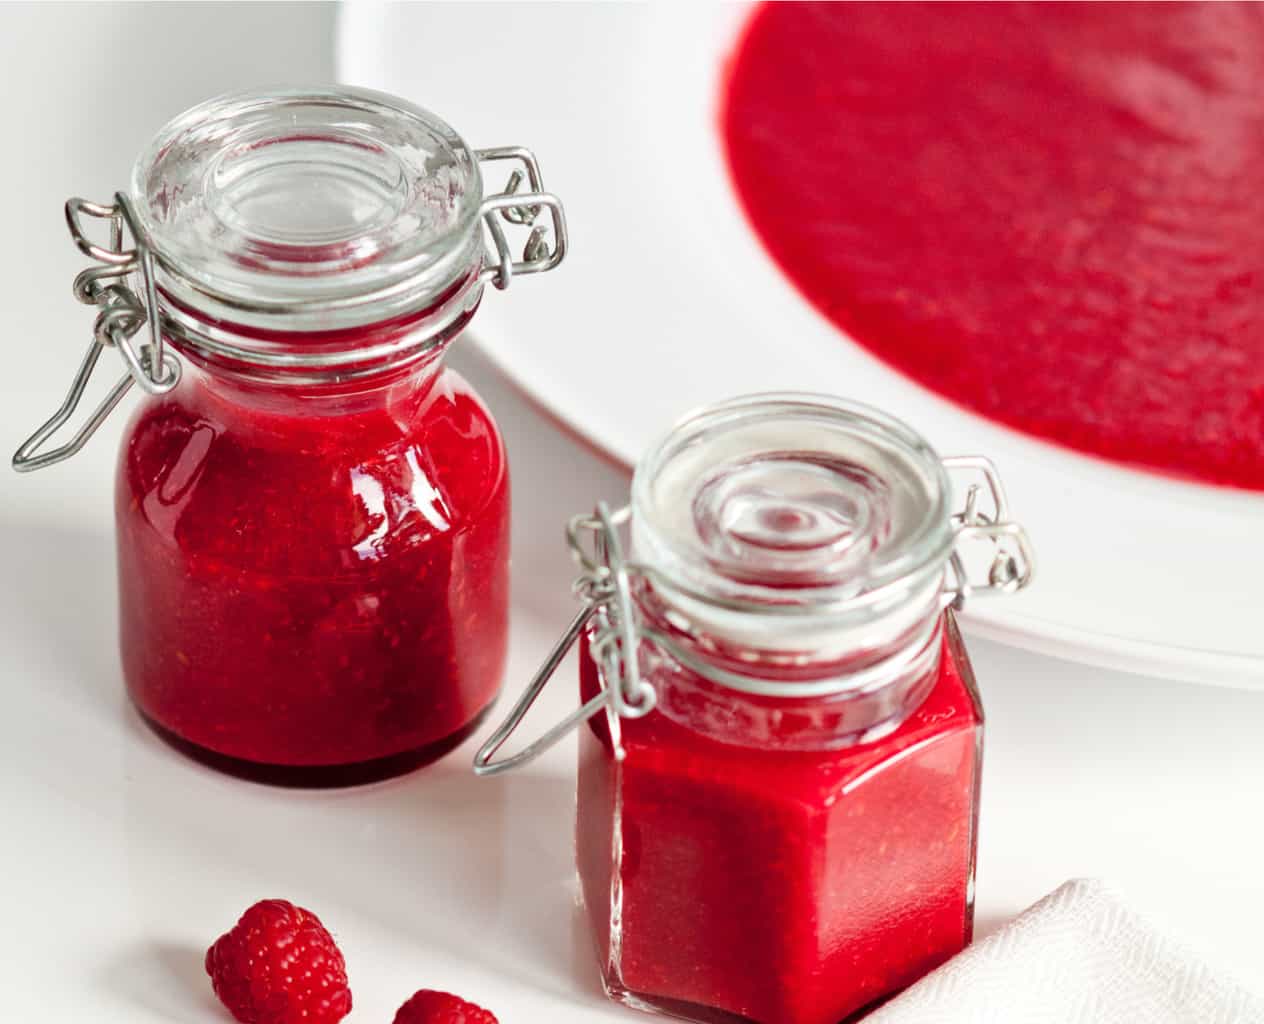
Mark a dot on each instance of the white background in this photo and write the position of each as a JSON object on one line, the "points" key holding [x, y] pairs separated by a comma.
{"points": [[121, 861]]}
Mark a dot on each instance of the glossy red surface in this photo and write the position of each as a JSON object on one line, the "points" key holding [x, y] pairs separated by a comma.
{"points": [[774, 886], [314, 584], [1048, 213]]}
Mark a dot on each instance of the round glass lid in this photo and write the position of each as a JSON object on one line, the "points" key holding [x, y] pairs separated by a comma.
{"points": [[304, 209], [794, 498]]}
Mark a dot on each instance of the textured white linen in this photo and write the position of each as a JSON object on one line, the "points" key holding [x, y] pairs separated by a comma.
{"points": [[1079, 955]]}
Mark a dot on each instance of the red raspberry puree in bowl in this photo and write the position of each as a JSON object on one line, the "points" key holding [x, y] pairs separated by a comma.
{"points": [[1049, 213]]}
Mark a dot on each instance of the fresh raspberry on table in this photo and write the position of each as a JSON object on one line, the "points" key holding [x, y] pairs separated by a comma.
{"points": [[279, 965], [429, 1007]]}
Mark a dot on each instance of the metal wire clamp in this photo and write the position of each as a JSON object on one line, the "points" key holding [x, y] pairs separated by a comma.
{"points": [[121, 317], [604, 587], [521, 208], [1012, 561]]}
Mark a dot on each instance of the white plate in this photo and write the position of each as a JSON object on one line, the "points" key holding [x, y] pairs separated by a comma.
{"points": [[668, 301]]}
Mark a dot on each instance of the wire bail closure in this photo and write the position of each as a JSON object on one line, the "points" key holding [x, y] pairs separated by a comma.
{"points": [[122, 315], [604, 586], [1013, 560], [521, 208]]}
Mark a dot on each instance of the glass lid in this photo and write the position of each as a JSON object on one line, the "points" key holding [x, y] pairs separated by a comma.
{"points": [[791, 500], [308, 209]]}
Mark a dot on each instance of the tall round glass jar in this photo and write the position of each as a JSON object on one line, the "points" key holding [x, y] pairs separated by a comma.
{"points": [[779, 773], [312, 511]]}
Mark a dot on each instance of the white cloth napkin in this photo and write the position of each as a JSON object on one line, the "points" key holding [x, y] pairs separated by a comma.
{"points": [[1079, 955]]}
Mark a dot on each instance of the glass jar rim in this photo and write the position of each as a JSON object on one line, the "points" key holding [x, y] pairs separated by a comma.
{"points": [[308, 209], [908, 566]]}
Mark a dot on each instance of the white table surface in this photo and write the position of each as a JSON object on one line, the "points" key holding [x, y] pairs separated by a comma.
{"points": [[122, 861]]}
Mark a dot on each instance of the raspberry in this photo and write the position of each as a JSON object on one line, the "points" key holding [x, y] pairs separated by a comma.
{"points": [[428, 1007], [279, 965]]}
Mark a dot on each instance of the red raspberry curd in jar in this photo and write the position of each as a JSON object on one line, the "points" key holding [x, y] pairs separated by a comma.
{"points": [[782, 887], [316, 579], [313, 514], [778, 782]]}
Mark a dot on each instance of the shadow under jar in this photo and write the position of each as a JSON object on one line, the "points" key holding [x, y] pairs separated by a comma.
{"points": [[312, 511], [779, 772]]}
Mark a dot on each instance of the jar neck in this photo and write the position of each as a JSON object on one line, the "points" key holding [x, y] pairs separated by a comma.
{"points": [[837, 690], [398, 393], [342, 360]]}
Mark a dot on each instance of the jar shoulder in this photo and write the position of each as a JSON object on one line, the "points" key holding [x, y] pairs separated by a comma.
{"points": [[943, 735], [347, 482]]}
